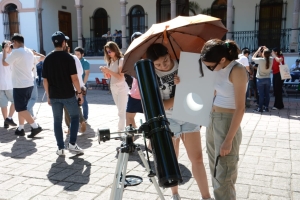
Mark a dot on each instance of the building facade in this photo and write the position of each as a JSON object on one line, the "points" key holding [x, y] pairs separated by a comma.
{"points": [[250, 23]]}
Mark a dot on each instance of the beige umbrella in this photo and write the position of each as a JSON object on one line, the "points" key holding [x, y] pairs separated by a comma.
{"points": [[179, 34]]}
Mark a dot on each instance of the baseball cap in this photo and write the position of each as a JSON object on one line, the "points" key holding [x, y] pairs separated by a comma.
{"points": [[59, 37], [136, 35]]}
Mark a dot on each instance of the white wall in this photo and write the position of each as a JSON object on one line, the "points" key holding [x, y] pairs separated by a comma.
{"points": [[27, 3], [50, 19], [29, 29]]}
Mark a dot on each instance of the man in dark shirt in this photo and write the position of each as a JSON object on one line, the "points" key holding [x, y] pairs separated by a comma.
{"points": [[60, 78]]}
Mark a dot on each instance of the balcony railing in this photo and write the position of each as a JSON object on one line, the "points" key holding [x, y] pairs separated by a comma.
{"points": [[251, 39], [270, 38]]}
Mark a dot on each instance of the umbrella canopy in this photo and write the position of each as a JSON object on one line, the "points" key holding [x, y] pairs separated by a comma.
{"points": [[179, 34]]}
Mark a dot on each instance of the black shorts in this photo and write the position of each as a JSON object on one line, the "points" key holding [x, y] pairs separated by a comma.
{"points": [[134, 105], [21, 98]]}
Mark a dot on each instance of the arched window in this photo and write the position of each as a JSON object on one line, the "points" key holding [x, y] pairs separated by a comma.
{"points": [[163, 9], [219, 10], [10, 21], [136, 20], [270, 21], [99, 23]]}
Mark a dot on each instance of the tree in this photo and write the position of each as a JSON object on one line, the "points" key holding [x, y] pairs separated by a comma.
{"points": [[194, 7]]}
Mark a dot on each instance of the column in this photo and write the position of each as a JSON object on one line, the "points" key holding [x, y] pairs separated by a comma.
{"points": [[173, 8], [79, 6], [123, 20], [294, 33], [42, 51], [229, 19]]}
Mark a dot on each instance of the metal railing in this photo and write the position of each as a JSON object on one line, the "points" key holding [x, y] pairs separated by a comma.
{"points": [[94, 46], [270, 38]]}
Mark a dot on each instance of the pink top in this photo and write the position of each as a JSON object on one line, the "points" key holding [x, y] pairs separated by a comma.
{"points": [[135, 92]]}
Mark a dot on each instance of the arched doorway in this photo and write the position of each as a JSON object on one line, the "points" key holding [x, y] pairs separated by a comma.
{"points": [[136, 19], [163, 9], [10, 20], [270, 21], [99, 22], [219, 10]]}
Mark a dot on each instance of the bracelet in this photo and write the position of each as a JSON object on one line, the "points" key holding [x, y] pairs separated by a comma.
{"points": [[79, 92]]}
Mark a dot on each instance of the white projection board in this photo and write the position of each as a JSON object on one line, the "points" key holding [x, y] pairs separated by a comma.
{"points": [[194, 94]]}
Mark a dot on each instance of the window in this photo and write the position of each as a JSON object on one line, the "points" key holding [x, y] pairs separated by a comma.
{"points": [[137, 20], [163, 9], [270, 22], [10, 21], [219, 10], [99, 23]]}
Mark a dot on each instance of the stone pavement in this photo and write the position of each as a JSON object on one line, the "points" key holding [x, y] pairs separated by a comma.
{"points": [[30, 169]]}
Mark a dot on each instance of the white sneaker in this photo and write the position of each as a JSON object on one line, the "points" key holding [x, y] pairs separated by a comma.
{"points": [[75, 149], [175, 197], [60, 152]]}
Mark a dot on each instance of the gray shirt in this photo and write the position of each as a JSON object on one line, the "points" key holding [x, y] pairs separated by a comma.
{"points": [[262, 71]]}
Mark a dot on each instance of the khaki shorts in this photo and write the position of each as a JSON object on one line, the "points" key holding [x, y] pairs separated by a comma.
{"points": [[5, 97]]}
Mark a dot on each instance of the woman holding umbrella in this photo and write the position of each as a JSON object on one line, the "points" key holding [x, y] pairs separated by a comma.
{"points": [[166, 69], [224, 135]]}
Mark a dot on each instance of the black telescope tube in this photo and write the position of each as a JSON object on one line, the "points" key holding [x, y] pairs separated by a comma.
{"points": [[165, 160]]}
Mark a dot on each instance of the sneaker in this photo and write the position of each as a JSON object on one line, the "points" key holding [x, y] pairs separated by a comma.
{"points": [[258, 110], [5, 125], [10, 122], [20, 132], [82, 127], [274, 108], [75, 149], [175, 197], [60, 152], [266, 109], [35, 131]]}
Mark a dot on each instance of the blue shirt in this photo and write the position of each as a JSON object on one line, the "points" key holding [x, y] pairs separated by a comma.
{"points": [[85, 66]]}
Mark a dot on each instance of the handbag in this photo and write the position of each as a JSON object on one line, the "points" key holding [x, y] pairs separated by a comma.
{"points": [[284, 71]]}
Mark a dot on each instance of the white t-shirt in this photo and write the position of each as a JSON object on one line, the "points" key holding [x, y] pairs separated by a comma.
{"points": [[79, 70], [115, 66], [243, 60], [21, 61], [36, 60], [167, 85], [5, 76]]}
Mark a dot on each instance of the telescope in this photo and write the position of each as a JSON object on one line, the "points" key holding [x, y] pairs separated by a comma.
{"points": [[156, 128]]}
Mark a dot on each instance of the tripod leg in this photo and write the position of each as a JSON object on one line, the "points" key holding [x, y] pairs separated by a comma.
{"points": [[118, 184], [159, 192]]}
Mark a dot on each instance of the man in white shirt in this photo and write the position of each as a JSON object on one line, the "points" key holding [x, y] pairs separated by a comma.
{"points": [[243, 59], [6, 92], [21, 61]]}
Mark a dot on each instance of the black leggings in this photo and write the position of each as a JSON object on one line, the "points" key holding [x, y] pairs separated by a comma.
{"points": [[277, 88]]}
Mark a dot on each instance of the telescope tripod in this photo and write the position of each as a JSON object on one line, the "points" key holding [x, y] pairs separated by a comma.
{"points": [[120, 178]]}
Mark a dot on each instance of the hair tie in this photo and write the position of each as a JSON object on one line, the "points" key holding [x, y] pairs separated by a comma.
{"points": [[227, 45]]}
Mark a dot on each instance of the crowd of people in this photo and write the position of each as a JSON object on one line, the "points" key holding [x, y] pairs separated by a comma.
{"points": [[65, 78]]}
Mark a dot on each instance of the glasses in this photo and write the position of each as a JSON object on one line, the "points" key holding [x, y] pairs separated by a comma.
{"points": [[109, 52], [212, 68]]}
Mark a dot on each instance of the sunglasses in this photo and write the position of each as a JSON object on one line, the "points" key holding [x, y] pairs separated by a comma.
{"points": [[109, 52], [211, 68]]}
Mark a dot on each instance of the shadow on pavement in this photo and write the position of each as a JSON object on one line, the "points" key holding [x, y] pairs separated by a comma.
{"points": [[63, 174], [21, 148]]}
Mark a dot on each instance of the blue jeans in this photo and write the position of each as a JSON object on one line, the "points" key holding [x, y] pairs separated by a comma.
{"points": [[33, 99], [39, 73], [85, 108], [57, 109], [263, 86]]}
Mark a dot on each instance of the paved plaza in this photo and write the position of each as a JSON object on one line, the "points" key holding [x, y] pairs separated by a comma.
{"points": [[269, 166]]}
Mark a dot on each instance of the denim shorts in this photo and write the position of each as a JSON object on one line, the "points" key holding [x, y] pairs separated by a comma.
{"points": [[5, 97], [180, 127]]}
